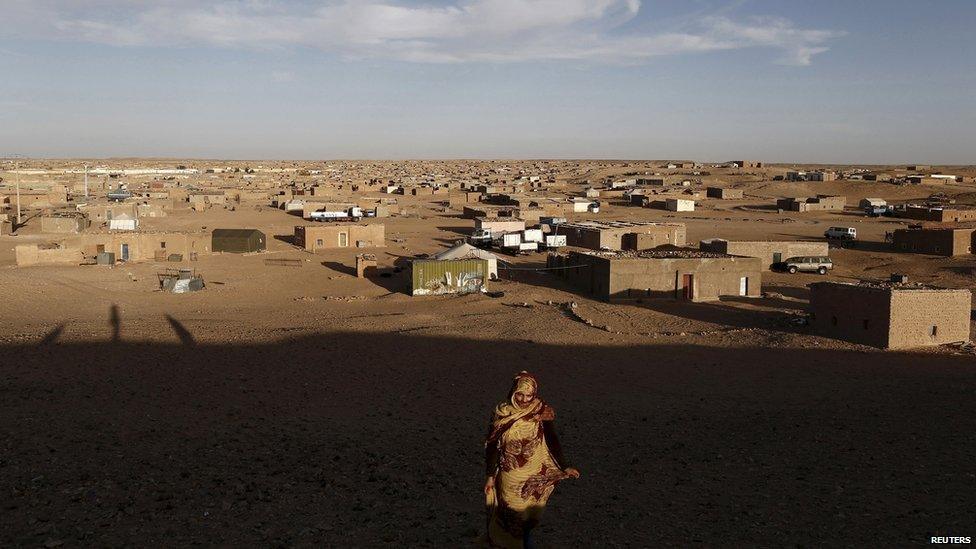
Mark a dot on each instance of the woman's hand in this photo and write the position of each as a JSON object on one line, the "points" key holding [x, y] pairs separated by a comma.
{"points": [[490, 484], [571, 472]]}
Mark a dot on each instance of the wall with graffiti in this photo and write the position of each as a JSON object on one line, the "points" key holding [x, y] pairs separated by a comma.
{"points": [[438, 277]]}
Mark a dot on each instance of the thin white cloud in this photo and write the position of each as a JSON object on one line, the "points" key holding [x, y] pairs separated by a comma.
{"points": [[461, 31]]}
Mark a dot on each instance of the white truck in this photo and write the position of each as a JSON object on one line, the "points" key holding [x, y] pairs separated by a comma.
{"points": [[480, 238], [350, 214], [532, 235], [511, 240], [522, 241], [841, 233]]}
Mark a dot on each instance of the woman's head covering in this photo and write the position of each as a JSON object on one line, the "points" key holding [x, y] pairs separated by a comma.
{"points": [[508, 412], [523, 383]]}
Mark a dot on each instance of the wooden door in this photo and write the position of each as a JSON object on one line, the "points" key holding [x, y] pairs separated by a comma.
{"points": [[688, 286]]}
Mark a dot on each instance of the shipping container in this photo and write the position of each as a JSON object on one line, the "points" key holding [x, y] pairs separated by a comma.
{"points": [[438, 277], [237, 241], [511, 240]]}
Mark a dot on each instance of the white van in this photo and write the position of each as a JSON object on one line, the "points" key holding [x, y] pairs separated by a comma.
{"points": [[841, 233]]}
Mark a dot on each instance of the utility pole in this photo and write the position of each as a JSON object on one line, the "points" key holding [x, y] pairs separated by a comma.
{"points": [[86, 181], [19, 221]]}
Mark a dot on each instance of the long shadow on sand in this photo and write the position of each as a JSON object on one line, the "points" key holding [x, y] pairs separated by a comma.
{"points": [[715, 312], [366, 439]]}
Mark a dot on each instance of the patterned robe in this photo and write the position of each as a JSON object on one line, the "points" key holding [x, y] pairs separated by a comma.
{"points": [[526, 472]]}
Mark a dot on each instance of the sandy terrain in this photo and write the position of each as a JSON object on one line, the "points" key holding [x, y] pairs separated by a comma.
{"points": [[304, 406]]}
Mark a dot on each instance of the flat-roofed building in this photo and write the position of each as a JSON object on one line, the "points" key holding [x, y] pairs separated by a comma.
{"points": [[819, 203], [890, 316], [459, 198], [937, 214], [679, 205], [822, 176], [609, 235], [724, 193], [491, 211], [769, 252], [916, 179], [499, 225], [872, 203], [129, 246], [686, 274], [64, 223], [934, 241], [339, 235]]}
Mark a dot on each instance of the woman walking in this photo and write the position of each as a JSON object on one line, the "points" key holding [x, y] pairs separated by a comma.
{"points": [[524, 462]]}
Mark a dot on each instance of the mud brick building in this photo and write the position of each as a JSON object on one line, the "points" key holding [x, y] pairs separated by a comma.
{"points": [[769, 251], [939, 215], [890, 316], [822, 176], [685, 274], [339, 235], [934, 241], [723, 193], [491, 211], [128, 246], [64, 223], [820, 203], [613, 235], [499, 225], [679, 205], [458, 199]]}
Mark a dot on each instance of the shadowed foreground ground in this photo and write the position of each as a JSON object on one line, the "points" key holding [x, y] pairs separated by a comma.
{"points": [[349, 439]]}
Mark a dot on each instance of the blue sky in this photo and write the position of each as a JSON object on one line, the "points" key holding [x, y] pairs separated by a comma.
{"points": [[828, 81]]}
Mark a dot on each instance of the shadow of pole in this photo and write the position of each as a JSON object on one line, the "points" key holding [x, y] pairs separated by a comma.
{"points": [[115, 320], [186, 338], [52, 337]]}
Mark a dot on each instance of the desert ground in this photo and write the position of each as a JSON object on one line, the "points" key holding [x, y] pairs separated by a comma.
{"points": [[303, 406]]}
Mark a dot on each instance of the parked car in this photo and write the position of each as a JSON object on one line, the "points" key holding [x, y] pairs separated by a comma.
{"points": [[807, 264], [841, 233]]}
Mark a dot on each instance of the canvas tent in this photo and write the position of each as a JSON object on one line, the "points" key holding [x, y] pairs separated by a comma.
{"points": [[467, 251], [238, 241], [123, 222]]}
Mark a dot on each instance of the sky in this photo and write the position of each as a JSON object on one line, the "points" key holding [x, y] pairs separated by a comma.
{"points": [[826, 81]]}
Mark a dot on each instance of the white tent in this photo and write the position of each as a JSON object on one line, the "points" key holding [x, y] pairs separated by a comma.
{"points": [[467, 251], [123, 222], [872, 202]]}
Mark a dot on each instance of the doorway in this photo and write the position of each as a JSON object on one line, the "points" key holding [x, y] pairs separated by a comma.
{"points": [[125, 252], [744, 286], [343, 240], [688, 286], [777, 257]]}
